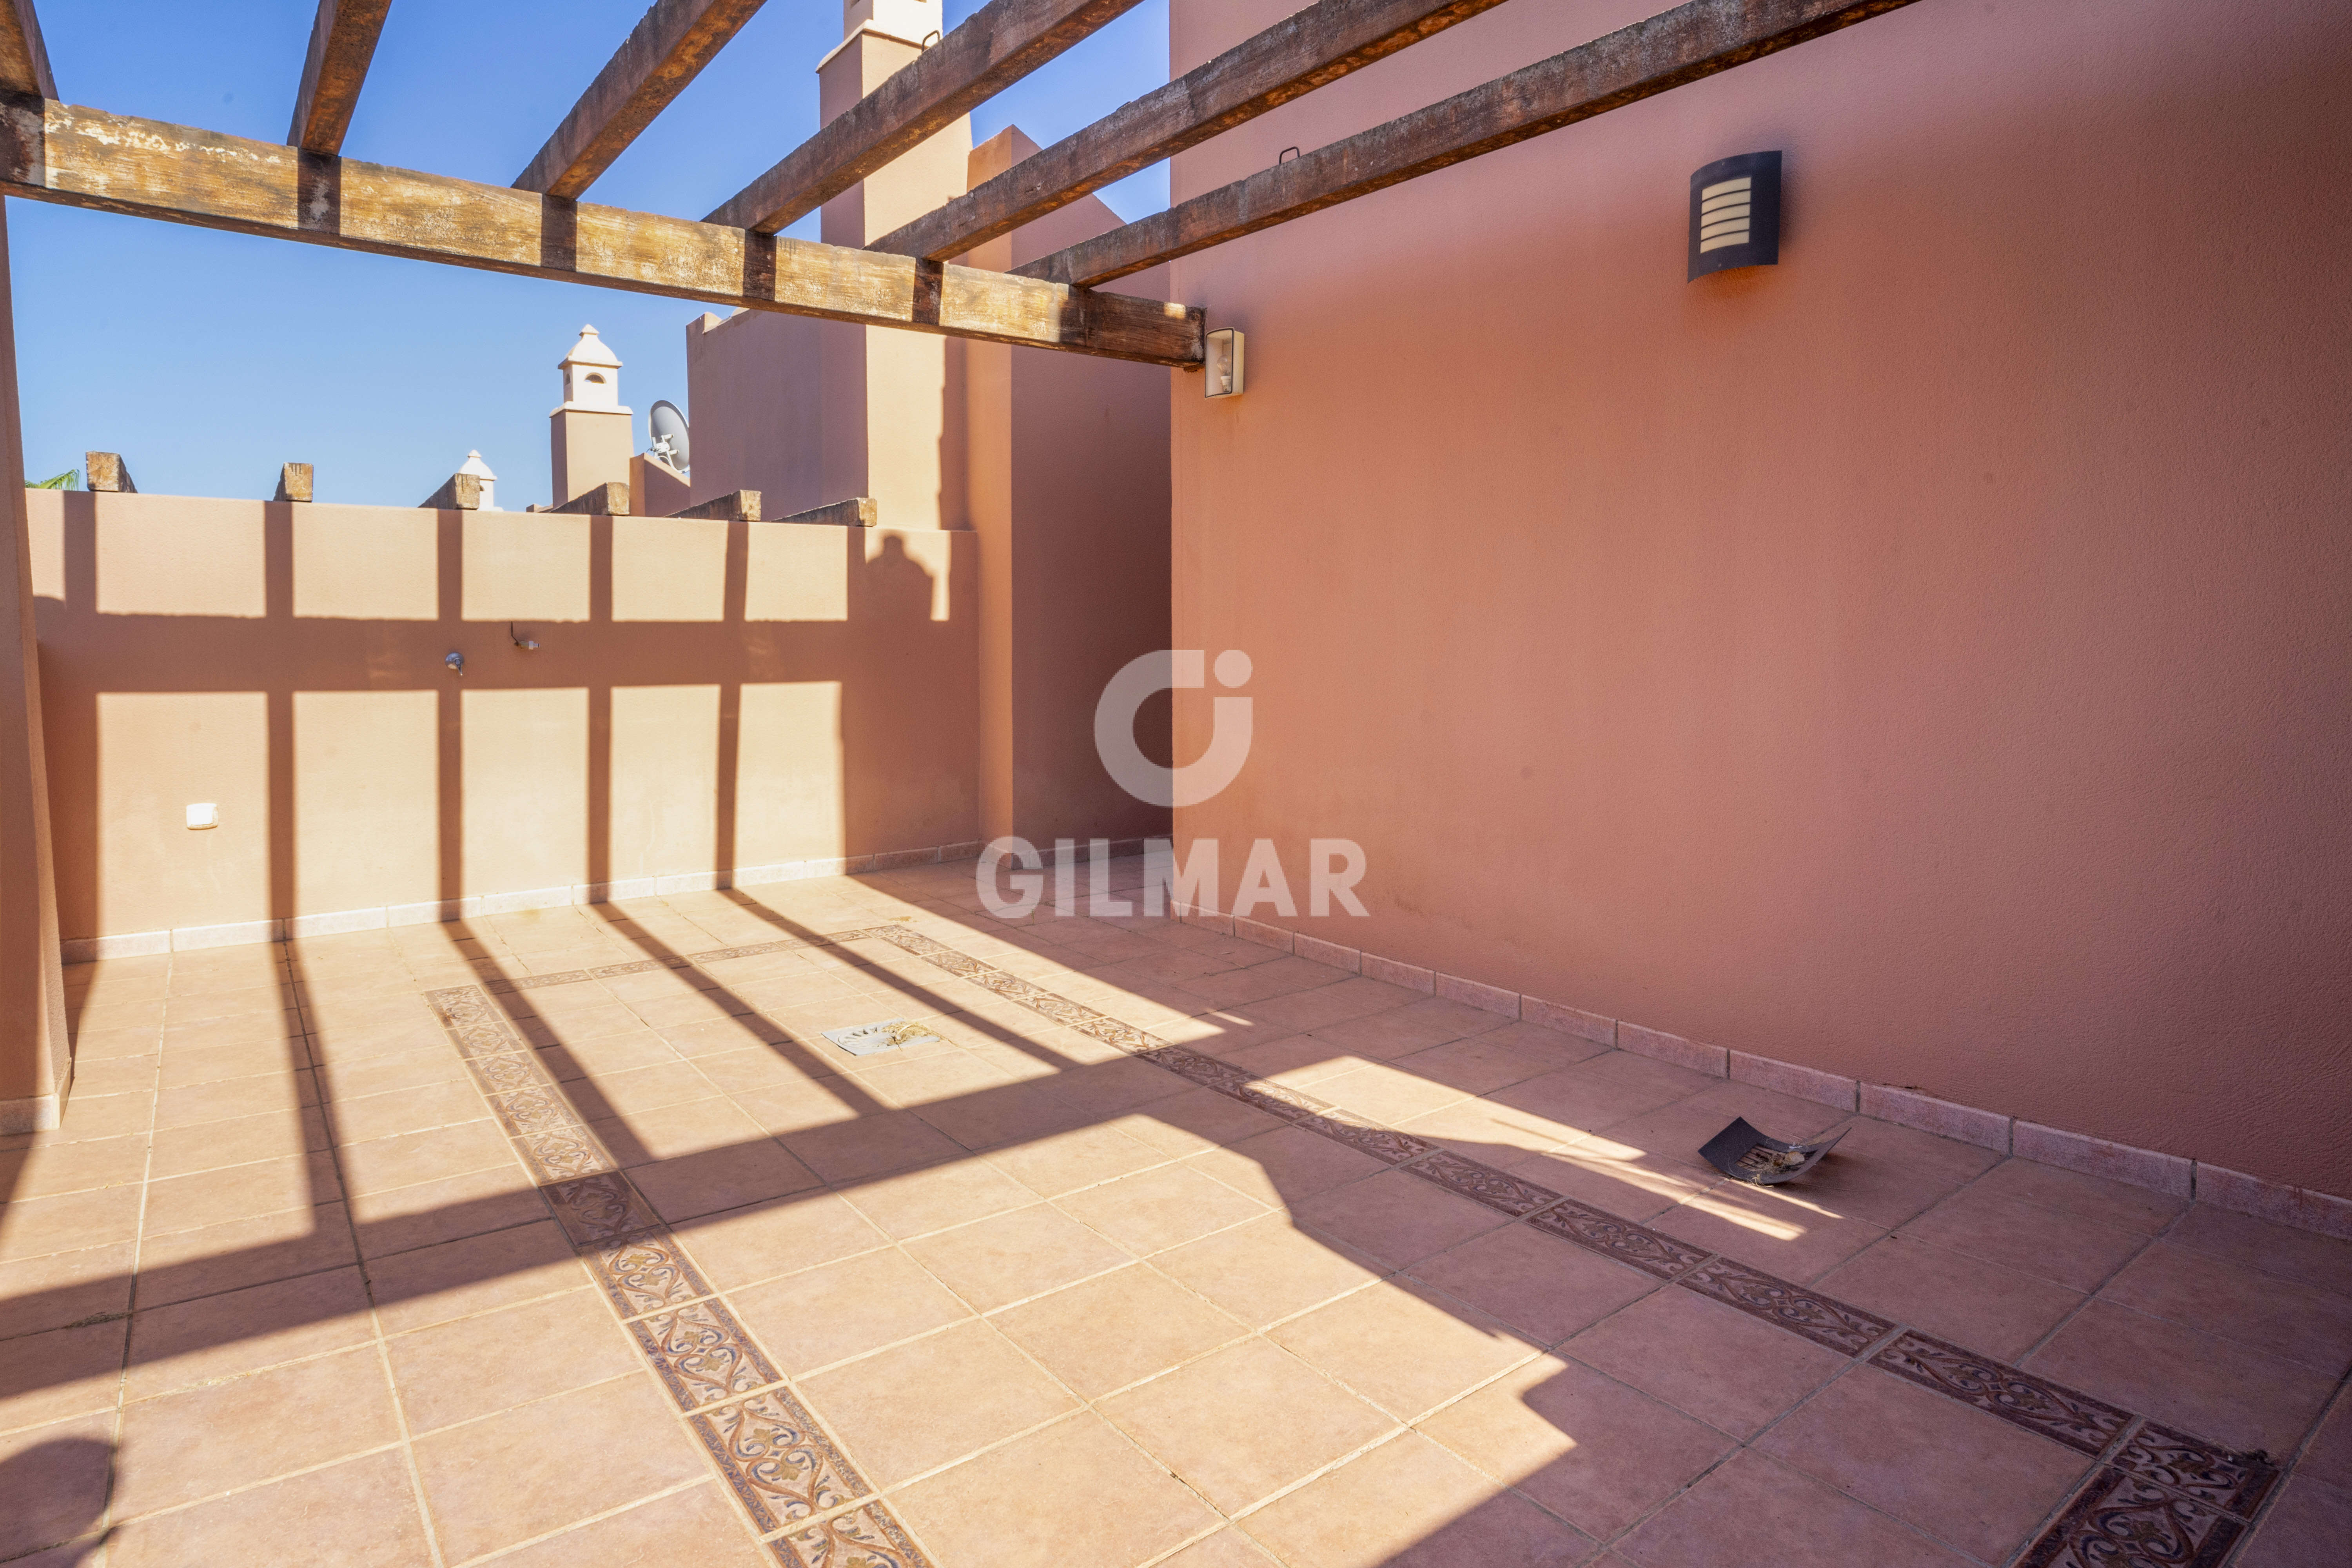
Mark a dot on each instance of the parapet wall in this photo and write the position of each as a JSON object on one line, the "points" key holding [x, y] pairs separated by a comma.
{"points": [[709, 701]]}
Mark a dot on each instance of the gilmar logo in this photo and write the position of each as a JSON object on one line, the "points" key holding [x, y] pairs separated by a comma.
{"points": [[1334, 864]]}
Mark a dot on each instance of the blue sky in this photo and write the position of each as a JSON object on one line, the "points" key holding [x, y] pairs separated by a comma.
{"points": [[208, 359]]}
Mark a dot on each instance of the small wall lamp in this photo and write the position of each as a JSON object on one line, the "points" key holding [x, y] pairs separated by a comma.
{"points": [[1734, 214], [1224, 364]]}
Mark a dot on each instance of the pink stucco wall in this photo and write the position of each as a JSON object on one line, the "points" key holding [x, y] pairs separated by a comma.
{"points": [[1927, 660]]}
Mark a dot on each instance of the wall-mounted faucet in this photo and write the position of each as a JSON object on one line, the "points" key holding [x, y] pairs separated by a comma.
{"points": [[528, 645], [457, 663]]}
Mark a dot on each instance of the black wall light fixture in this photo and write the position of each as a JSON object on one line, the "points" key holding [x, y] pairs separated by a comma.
{"points": [[1734, 214]]}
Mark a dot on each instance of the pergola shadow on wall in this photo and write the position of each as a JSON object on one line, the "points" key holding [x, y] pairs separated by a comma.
{"points": [[851, 644]]}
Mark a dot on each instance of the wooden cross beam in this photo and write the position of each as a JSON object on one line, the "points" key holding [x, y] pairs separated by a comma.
{"points": [[1669, 50], [80, 157], [667, 48], [342, 42], [24, 59], [995, 46], [1298, 54]]}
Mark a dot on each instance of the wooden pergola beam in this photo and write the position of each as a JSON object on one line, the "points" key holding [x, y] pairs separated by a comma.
{"points": [[342, 42], [24, 59], [667, 49], [1298, 54], [80, 157], [995, 46], [1676, 48]]}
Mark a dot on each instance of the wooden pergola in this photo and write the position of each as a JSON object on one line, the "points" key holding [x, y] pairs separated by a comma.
{"points": [[304, 190]]}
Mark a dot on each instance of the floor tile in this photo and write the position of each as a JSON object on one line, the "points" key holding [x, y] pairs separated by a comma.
{"points": [[938, 1196], [1545, 1287], [209, 1439], [409, 1158], [213, 1336], [1118, 1328], [2284, 1317], [821, 1315], [1628, 1183], [1779, 1230], [1285, 1165], [240, 1192], [1299, 1421], [452, 1208], [480, 1365], [1389, 1095], [1994, 1310], [1405, 1350], [776, 1238], [187, 1264], [68, 1222], [1598, 1094], [273, 1135], [2090, 1197], [1007, 1257], [1751, 1499], [1416, 1026], [2274, 1249], [885, 1410], [53, 1482], [1714, 1362], [431, 1285], [725, 1178], [2329, 1456], [1068, 1161], [1159, 1208], [362, 1511], [1485, 1063], [1109, 1506], [1229, 1548], [701, 1526], [494, 1483], [417, 1109], [872, 1144], [1991, 1482], [48, 1168], [50, 1376], [1590, 1448], [1984, 1222], [2310, 1526], [1265, 1271], [56, 1289], [2225, 1392], [1411, 1504], [1396, 1217]]}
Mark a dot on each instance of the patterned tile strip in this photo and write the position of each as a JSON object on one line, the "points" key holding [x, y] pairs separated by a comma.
{"points": [[1833, 1325], [778, 1462], [2234, 1483], [2123, 1520], [2083, 1424], [2169, 1505]]}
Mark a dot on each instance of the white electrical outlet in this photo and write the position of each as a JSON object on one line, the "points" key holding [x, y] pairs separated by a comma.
{"points": [[205, 813]]}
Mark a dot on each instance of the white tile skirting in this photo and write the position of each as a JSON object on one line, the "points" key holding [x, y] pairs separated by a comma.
{"points": [[2175, 1174]]}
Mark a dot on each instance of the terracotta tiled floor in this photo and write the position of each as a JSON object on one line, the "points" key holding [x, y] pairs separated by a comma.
{"points": [[564, 1237]]}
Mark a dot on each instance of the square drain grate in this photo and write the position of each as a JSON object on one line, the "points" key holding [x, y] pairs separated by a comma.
{"points": [[889, 1034]]}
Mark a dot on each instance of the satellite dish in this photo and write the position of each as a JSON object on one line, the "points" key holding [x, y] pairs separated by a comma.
{"points": [[669, 435]]}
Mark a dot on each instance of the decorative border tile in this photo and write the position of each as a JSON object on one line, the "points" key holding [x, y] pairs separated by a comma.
{"points": [[1383, 1143], [1831, 1324], [1483, 1184], [1601, 1232], [777, 1460], [645, 1273], [599, 1208], [2121, 1521], [2083, 1424], [2233, 1482], [702, 1355], [865, 1537]]}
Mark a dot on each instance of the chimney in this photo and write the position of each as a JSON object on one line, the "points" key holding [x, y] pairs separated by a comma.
{"points": [[489, 481], [589, 441]]}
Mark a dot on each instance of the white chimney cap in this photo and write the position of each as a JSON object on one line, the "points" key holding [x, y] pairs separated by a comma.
{"points": [[476, 466], [590, 350]]}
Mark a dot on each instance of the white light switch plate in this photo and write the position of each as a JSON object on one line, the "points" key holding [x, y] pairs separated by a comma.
{"points": [[204, 814]]}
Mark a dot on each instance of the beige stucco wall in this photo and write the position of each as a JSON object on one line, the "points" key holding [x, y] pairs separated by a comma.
{"points": [[706, 696], [1927, 660]]}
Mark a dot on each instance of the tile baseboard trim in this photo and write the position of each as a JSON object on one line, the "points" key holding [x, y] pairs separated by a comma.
{"points": [[2301, 1209], [32, 1113], [192, 938]]}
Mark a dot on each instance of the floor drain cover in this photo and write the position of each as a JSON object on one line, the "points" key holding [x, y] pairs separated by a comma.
{"points": [[889, 1034], [1745, 1155]]}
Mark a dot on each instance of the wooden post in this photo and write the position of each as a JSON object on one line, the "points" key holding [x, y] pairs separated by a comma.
{"points": [[35, 1050], [735, 506], [107, 472], [608, 500]]}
